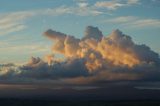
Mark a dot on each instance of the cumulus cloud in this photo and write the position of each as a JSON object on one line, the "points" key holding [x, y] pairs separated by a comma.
{"points": [[93, 32], [93, 58]]}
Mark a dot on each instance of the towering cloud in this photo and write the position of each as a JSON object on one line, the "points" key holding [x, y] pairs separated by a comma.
{"points": [[64, 44], [98, 51], [93, 32], [93, 58]]}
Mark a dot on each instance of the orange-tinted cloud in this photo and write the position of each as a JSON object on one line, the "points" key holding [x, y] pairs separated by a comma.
{"points": [[91, 59]]}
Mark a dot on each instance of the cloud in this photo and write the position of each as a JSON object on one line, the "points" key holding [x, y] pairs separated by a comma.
{"points": [[92, 59], [130, 2], [82, 9], [55, 35], [109, 5], [122, 19], [13, 29], [36, 68], [13, 22], [146, 23], [92, 32], [63, 43], [134, 22], [115, 4], [30, 48]]}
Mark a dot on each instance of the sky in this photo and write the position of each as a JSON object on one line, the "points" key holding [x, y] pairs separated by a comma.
{"points": [[88, 49], [23, 22]]}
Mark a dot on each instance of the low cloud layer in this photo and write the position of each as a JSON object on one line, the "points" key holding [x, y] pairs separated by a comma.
{"points": [[93, 58]]}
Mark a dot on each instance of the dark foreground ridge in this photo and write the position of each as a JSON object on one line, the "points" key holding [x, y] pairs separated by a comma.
{"points": [[109, 95], [29, 102]]}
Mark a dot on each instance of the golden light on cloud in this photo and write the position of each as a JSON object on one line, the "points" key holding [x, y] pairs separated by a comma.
{"points": [[49, 59], [96, 49], [92, 58]]}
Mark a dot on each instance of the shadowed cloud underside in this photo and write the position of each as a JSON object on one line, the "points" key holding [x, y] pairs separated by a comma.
{"points": [[91, 59]]}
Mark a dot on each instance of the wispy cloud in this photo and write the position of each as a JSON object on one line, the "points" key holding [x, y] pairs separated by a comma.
{"points": [[145, 23], [115, 4], [122, 19], [15, 21], [132, 21], [31, 48], [13, 29], [81, 9]]}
